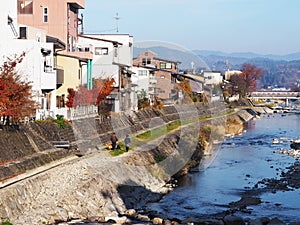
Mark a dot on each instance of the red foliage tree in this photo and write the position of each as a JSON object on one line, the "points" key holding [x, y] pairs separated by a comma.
{"points": [[15, 94], [250, 74], [246, 81], [105, 90], [85, 97], [70, 97]]}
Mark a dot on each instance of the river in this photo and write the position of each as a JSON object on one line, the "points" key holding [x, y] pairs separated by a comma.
{"points": [[237, 165]]}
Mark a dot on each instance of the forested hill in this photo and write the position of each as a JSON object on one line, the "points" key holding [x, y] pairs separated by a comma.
{"points": [[277, 72]]}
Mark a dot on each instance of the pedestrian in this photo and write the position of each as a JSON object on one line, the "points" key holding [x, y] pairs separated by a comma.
{"points": [[114, 140], [127, 142]]}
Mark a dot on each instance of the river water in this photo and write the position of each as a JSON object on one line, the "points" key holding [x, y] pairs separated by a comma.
{"points": [[237, 165]]}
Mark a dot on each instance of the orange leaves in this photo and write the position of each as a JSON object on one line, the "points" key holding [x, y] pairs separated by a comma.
{"points": [[15, 94], [85, 97], [105, 90]]}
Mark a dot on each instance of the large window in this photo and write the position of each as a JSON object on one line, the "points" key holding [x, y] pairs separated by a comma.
{"points": [[146, 61], [25, 6], [101, 51]]}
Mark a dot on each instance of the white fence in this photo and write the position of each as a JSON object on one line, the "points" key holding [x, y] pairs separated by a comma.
{"points": [[72, 113]]}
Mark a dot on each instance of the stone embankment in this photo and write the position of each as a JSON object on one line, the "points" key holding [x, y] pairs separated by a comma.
{"points": [[98, 185]]}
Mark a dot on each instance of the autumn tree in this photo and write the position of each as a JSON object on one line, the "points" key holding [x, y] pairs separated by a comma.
{"points": [[105, 90], [251, 74], [71, 98], [187, 91], [245, 82], [85, 97], [239, 85], [143, 101], [16, 101]]}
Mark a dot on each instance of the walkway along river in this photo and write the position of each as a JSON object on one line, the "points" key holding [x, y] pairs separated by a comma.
{"points": [[241, 164]]}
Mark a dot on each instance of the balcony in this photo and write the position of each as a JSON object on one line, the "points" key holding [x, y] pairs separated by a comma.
{"points": [[48, 80]]}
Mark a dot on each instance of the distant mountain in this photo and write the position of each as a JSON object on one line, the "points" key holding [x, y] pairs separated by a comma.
{"points": [[279, 70], [249, 55]]}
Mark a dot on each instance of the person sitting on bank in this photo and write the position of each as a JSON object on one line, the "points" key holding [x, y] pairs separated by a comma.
{"points": [[114, 140], [127, 142]]}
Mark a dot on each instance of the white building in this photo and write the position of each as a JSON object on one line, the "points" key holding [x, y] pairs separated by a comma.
{"points": [[143, 80], [112, 58], [212, 77], [37, 65]]}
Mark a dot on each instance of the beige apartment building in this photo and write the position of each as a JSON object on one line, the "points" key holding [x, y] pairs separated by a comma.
{"points": [[60, 19]]}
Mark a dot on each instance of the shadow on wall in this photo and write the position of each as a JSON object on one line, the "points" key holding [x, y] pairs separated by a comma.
{"points": [[135, 196]]}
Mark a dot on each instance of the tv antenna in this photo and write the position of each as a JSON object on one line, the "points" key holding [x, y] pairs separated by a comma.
{"points": [[117, 18]]}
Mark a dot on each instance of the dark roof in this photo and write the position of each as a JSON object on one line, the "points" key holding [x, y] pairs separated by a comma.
{"points": [[57, 43], [166, 60], [101, 39], [72, 56]]}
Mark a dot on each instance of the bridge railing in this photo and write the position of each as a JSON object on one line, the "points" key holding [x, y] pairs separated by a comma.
{"points": [[275, 94]]}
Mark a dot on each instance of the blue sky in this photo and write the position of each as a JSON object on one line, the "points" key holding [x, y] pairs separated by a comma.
{"points": [[260, 26]]}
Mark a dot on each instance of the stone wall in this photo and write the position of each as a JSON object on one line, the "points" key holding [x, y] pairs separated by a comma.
{"points": [[97, 184]]}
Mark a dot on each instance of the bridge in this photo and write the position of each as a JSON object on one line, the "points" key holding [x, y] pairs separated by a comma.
{"points": [[280, 95]]}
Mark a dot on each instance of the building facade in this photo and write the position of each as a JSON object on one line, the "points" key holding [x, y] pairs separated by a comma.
{"points": [[60, 21], [37, 66], [59, 18], [164, 87], [112, 58]]}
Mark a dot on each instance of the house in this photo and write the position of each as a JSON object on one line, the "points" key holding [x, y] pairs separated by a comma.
{"points": [[60, 21], [143, 82], [212, 77], [112, 58], [229, 73], [37, 66], [164, 88]]}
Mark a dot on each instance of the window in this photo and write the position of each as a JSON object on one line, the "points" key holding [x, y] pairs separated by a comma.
{"points": [[142, 72], [146, 61], [23, 32], [84, 49], [45, 14], [25, 6], [101, 51], [168, 65], [164, 65], [162, 77]]}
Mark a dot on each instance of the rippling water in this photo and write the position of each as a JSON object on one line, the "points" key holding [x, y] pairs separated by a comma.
{"points": [[238, 164]]}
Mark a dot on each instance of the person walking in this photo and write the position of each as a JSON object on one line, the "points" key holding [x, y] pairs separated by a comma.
{"points": [[127, 142], [114, 140]]}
